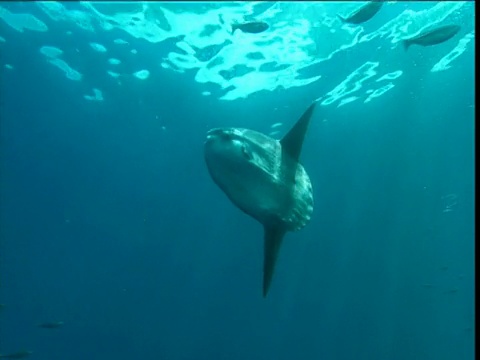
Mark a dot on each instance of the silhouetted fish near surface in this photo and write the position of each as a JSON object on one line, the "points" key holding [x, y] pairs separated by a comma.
{"points": [[263, 178], [18, 355], [251, 27], [362, 14], [432, 37], [51, 325]]}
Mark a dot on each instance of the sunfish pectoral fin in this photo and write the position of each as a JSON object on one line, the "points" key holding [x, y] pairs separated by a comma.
{"points": [[272, 242], [292, 142]]}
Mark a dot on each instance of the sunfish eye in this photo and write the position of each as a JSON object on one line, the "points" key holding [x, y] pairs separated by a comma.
{"points": [[225, 135], [247, 154]]}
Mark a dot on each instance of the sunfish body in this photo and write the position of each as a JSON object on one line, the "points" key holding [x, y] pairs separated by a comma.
{"points": [[363, 14], [263, 177], [252, 27], [432, 37]]}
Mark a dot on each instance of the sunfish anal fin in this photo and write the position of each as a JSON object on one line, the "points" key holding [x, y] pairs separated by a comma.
{"points": [[292, 142], [272, 242]]}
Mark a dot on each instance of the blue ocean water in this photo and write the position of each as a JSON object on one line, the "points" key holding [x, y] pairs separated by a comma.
{"points": [[110, 222]]}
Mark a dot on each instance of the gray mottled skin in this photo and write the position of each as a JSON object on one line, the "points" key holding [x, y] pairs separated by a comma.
{"points": [[262, 177], [249, 167]]}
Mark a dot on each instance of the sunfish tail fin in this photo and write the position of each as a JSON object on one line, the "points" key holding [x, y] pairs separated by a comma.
{"points": [[292, 142], [272, 242]]}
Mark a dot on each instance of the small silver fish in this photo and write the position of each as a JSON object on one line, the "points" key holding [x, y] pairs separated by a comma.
{"points": [[18, 355], [362, 14], [51, 325], [251, 27], [432, 37]]}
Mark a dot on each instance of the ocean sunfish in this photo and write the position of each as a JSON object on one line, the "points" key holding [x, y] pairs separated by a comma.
{"points": [[432, 37], [363, 13], [263, 178]]}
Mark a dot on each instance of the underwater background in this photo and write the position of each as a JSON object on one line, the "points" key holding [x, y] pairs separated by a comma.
{"points": [[111, 224]]}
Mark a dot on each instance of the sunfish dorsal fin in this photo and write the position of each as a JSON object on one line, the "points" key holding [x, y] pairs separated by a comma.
{"points": [[342, 19], [292, 142], [272, 242]]}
